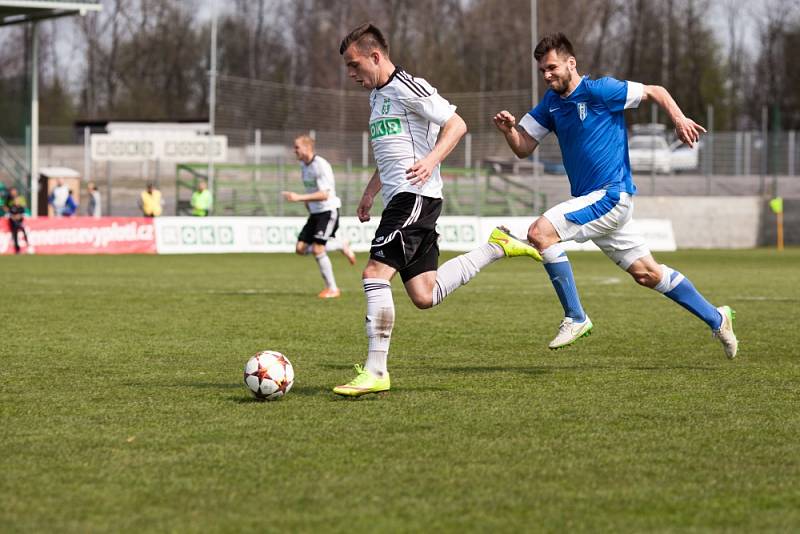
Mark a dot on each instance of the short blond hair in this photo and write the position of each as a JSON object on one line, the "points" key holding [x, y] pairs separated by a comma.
{"points": [[305, 139]]}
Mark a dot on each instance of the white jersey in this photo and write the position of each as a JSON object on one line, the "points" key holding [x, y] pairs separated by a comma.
{"points": [[318, 176], [406, 116]]}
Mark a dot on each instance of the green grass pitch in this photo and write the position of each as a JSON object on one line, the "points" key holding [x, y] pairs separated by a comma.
{"points": [[122, 406]]}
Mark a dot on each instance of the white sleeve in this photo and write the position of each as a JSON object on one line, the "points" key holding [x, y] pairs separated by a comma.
{"points": [[634, 96], [325, 177], [533, 128], [433, 108]]}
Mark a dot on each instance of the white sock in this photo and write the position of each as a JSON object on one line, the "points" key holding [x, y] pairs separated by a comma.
{"points": [[667, 284], [379, 323], [554, 254], [326, 270], [460, 270]]}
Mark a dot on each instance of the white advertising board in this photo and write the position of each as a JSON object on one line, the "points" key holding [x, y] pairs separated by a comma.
{"points": [[198, 235], [178, 147]]}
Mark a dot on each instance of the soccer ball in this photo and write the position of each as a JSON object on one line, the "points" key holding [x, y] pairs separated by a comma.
{"points": [[268, 375]]}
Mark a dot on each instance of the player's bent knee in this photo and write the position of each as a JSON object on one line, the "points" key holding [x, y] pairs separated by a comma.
{"points": [[535, 237], [540, 238], [646, 278], [422, 302]]}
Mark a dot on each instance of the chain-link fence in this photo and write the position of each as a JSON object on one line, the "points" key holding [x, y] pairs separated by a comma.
{"points": [[261, 120]]}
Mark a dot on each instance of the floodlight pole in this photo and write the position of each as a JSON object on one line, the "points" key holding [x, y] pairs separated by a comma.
{"points": [[212, 102], [534, 42], [34, 169], [534, 72]]}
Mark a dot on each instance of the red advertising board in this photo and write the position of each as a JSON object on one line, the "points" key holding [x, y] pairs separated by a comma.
{"points": [[83, 235]]}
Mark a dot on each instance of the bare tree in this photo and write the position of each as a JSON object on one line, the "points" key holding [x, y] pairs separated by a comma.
{"points": [[149, 57]]}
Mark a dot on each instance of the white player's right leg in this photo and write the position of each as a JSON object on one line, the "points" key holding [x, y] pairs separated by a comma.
{"points": [[373, 377], [342, 245], [326, 271], [458, 271]]}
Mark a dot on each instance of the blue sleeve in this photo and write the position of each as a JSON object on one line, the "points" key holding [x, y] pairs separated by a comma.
{"points": [[612, 92], [541, 113]]}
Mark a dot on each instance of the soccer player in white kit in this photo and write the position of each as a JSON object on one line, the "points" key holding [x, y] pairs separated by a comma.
{"points": [[587, 116], [412, 129], [323, 205]]}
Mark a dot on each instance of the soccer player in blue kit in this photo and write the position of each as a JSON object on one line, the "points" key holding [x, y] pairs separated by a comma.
{"points": [[587, 116]]}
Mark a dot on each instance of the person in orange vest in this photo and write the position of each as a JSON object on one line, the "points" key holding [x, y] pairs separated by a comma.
{"points": [[151, 202]]}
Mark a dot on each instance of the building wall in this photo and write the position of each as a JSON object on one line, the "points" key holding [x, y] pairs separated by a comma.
{"points": [[708, 222]]}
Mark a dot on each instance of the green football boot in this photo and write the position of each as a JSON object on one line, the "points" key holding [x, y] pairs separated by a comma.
{"points": [[513, 246], [364, 383]]}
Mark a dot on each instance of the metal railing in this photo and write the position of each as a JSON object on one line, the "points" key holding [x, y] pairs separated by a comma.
{"points": [[242, 190], [14, 167]]}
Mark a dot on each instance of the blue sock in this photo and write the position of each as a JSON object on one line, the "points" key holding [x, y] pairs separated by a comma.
{"points": [[559, 269], [678, 288]]}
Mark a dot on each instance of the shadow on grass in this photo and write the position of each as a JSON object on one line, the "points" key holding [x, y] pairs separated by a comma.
{"points": [[215, 385], [244, 398], [261, 293], [399, 391], [474, 369], [325, 393], [346, 366], [542, 370], [672, 368]]}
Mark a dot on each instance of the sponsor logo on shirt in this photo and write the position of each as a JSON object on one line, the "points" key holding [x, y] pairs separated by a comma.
{"points": [[582, 110], [384, 127]]}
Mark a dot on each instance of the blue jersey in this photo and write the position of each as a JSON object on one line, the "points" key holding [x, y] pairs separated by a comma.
{"points": [[590, 127]]}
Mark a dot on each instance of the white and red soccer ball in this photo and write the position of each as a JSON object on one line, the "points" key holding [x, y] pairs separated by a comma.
{"points": [[268, 375]]}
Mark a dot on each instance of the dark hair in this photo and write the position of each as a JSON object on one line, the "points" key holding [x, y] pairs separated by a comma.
{"points": [[554, 41], [367, 38]]}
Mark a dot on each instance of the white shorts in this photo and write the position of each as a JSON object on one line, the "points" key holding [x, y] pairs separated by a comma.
{"points": [[604, 220]]}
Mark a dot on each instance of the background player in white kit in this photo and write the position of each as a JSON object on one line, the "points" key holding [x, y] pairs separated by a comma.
{"points": [[323, 204], [412, 129]]}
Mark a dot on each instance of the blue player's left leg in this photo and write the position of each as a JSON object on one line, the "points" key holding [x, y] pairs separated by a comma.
{"points": [[674, 285], [543, 235]]}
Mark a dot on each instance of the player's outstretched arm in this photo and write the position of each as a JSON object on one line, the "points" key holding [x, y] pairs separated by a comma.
{"points": [[317, 196], [452, 132], [372, 189], [686, 129], [518, 140]]}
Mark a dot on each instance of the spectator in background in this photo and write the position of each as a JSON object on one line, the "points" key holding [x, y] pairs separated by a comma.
{"points": [[58, 198], [16, 214], [94, 206], [8, 201], [150, 202], [201, 200], [70, 206]]}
